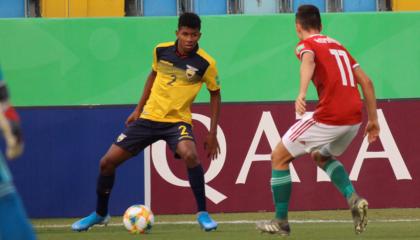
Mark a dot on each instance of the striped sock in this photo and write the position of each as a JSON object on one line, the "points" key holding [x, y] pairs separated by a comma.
{"points": [[281, 187], [339, 177]]}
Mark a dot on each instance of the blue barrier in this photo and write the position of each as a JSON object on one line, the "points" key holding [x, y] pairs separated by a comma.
{"points": [[260, 7], [359, 5], [12, 8], [210, 7], [159, 8], [319, 3], [56, 176]]}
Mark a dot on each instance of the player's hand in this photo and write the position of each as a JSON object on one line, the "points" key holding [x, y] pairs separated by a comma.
{"points": [[211, 145], [372, 131], [300, 105], [133, 117], [14, 141]]}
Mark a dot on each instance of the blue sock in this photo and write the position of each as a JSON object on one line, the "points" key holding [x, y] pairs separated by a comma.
{"points": [[196, 178], [13, 220], [103, 191]]}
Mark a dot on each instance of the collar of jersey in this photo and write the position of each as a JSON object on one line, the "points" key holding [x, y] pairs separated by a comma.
{"points": [[315, 35]]}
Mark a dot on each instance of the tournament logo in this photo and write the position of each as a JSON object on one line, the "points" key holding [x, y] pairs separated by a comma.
{"points": [[190, 72], [299, 48]]}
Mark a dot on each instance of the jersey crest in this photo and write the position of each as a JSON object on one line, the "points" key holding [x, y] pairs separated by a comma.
{"points": [[190, 72]]}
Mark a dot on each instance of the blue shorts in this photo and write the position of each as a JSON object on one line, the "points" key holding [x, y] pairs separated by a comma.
{"points": [[142, 133]]}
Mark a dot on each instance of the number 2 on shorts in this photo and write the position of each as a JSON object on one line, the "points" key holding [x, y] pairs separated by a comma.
{"points": [[183, 129]]}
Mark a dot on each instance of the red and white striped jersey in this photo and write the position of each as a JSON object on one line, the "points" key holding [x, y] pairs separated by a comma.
{"points": [[339, 98]]}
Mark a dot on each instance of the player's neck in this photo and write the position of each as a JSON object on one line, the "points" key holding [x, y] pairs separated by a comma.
{"points": [[309, 33], [181, 51]]}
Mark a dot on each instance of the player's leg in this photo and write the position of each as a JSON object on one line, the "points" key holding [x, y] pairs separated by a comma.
{"points": [[133, 140], [186, 149], [281, 187], [114, 157], [339, 176], [13, 220], [325, 158], [335, 170], [281, 181], [109, 162], [14, 223], [180, 139]]}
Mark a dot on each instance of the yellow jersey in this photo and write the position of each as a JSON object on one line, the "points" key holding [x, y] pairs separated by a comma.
{"points": [[177, 83]]}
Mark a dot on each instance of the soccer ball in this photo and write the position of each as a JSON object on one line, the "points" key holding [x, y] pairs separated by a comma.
{"points": [[138, 219]]}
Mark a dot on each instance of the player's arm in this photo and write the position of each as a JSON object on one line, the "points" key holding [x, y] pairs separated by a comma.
{"points": [[211, 144], [307, 69], [9, 124], [146, 93], [372, 127]]}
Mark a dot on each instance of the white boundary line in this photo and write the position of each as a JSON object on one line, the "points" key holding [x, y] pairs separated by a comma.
{"points": [[243, 222], [147, 177]]}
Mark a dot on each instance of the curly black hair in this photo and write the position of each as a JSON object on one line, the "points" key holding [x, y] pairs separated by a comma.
{"points": [[190, 20]]}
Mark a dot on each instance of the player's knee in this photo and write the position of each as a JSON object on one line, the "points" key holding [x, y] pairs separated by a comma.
{"points": [[106, 166], [319, 159], [191, 158], [275, 158], [278, 159]]}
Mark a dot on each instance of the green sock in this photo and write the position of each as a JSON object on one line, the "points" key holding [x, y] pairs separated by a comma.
{"points": [[281, 187], [339, 177]]}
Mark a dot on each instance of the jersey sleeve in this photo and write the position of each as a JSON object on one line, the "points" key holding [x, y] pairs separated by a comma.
{"points": [[301, 48], [5, 106], [211, 78], [154, 64], [353, 63]]}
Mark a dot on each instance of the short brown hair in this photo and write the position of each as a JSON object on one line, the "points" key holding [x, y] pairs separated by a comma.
{"points": [[309, 17]]}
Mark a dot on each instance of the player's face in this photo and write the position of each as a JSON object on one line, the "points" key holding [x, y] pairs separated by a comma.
{"points": [[187, 38]]}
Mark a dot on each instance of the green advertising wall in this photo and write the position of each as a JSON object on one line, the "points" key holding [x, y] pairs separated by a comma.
{"points": [[58, 62]]}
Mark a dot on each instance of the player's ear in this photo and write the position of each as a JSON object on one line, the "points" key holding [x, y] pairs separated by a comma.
{"points": [[298, 27]]}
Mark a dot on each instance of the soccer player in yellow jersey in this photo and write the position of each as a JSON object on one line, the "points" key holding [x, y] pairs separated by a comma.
{"points": [[178, 71]]}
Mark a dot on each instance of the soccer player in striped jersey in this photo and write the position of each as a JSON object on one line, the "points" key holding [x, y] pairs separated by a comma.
{"points": [[327, 132]]}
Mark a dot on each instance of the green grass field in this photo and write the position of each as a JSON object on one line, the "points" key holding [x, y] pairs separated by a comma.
{"points": [[322, 225]]}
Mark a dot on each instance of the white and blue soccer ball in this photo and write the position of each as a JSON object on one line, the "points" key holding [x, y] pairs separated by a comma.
{"points": [[138, 219]]}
